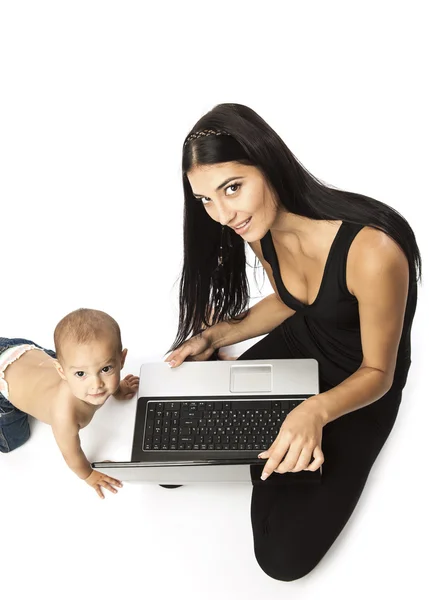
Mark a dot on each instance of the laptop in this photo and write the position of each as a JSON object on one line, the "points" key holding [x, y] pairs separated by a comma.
{"points": [[208, 421]]}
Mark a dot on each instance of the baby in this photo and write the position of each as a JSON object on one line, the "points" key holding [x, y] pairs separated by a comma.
{"points": [[64, 388]]}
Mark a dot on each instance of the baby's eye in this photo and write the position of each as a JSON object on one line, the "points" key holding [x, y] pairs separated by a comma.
{"points": [[106, 369], [80, 373], [234, 187]]}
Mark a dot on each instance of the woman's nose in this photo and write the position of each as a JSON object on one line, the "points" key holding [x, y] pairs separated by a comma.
{"points": [[225, 214]]}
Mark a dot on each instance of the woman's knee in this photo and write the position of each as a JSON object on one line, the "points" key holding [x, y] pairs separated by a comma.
{"points": [[285, 566]]}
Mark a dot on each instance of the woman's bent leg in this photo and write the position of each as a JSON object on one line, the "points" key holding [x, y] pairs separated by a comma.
{"points": [[294, 525]]}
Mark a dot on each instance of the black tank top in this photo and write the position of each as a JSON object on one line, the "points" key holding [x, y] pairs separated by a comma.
{"points": [[329, 328]]}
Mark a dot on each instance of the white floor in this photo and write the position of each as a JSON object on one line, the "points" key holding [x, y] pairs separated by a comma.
{"points": [[97, 98], [60, 540]]}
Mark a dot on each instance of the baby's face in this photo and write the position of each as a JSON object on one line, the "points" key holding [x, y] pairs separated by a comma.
{"points": [[92, 370]]}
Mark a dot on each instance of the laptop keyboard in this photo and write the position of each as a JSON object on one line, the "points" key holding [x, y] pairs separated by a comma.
{"points": [[216, 425]]}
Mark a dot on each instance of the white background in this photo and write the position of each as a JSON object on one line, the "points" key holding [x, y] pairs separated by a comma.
{"points": [[96, 99]]}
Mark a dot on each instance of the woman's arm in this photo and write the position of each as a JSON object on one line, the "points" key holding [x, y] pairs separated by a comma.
{"points": [[378, 277], [377, 274], [262, 318]]}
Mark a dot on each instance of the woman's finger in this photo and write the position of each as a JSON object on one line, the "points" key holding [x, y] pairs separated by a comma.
{"points": [[303, 461], [177, 357], [275, 458], [289, 461], [319, 459]]}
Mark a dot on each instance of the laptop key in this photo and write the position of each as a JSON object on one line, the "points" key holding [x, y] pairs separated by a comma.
{"points": [[187, 439], [243, 405], [148, 443], [188, 422]]}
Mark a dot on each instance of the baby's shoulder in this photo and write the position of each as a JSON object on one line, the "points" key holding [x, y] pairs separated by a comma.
{"points": [[64, 409]]}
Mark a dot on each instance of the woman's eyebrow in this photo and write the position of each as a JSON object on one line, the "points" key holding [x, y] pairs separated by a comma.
{"points": [[222, 184]]}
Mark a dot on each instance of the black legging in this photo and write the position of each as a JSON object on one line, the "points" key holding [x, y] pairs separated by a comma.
{"points": [[294, 525]]}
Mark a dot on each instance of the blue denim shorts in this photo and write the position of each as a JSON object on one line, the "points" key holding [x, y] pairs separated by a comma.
{"points": [[14, 427]]}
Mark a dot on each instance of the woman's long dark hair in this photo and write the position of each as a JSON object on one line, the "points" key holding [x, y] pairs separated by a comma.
{"points": [[209, 292]]}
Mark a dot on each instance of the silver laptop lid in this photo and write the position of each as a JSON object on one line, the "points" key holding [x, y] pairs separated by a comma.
{"points": [[279, 377]]}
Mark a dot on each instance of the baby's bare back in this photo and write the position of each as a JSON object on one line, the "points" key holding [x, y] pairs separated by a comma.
{"points": [[35, 387]]}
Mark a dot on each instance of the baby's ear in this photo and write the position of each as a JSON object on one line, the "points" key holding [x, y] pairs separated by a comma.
{"points": [[59, 369], [123, 357]]}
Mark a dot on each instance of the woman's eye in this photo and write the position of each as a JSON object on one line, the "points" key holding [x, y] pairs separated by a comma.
{"points": [[106, 369], [205, 200], [234, 187], [80, 373]]}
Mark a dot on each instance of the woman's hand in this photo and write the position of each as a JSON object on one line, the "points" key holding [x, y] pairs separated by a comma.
{"points": [[298, 442], [198, 347]]}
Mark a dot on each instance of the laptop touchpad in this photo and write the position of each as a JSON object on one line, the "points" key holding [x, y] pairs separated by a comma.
{"points": [[250, 378]]}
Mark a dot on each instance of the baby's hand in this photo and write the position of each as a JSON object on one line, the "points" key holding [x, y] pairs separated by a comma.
{"points": [[127, 388], [98, 480]]}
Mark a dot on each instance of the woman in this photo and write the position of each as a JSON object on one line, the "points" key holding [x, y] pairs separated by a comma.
{"points": [[344, 270]]}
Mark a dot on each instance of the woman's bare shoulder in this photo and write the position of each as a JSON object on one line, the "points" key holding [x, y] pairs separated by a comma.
{"points": [[374, 252]]}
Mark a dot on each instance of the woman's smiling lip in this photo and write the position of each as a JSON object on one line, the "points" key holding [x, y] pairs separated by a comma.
{"points": [[243, 223], [242, 227]]}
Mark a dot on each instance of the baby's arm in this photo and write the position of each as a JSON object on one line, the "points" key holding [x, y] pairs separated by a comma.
{"points": [[66, 433]]}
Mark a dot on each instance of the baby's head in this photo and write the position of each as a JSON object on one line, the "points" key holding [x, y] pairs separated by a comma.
{"points": [[89, 354]]}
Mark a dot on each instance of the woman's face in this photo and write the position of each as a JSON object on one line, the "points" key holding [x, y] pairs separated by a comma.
{"points": [[235, 195]]}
